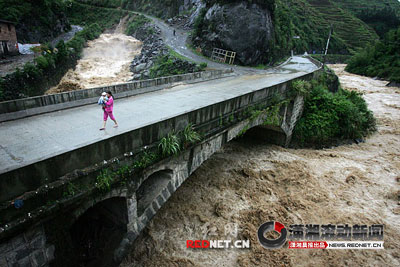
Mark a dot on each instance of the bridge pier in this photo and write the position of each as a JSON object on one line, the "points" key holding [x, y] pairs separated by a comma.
{"points": [[281, 134], [27, 249]]}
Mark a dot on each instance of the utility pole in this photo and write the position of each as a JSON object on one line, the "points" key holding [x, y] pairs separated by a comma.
{"points": [[327, 44]]}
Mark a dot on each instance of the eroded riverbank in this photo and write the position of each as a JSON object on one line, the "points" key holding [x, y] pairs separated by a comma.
{"points": [[248, 183]]}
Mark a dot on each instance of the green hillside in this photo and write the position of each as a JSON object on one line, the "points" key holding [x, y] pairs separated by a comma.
{"points": [[381, 60], [354, 32], [359, 6], [381, 15], [36, 20]]}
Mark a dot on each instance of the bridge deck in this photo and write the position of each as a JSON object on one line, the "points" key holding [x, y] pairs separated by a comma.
{"points": [[32, 139]]}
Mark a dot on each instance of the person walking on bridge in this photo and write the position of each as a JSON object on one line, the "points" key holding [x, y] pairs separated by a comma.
{"points": [[108, 111]]}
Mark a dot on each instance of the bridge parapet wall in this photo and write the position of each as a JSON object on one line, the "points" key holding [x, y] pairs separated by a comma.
{"points": [[21, 108]]}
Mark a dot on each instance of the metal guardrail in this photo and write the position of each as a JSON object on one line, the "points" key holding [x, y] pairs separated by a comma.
{"points": [[221, 55]]}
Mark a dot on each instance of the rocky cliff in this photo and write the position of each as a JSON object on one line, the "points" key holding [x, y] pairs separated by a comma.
{"points": [[242, 27], [265, 31]]}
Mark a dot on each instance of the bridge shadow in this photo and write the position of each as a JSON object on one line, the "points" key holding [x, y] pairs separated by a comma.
{"points": [[98, 232]]}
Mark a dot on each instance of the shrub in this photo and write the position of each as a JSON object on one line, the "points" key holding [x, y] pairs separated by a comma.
{"points": [[42, 62], [168, 64], [203, 65], [381, 59], [328, 117]]}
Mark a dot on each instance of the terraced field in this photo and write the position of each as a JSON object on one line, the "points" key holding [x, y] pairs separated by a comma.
{"points": [[355, 33], [356, 6]]}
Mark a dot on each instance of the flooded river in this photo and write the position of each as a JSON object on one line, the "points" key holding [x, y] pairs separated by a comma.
{"points": [[248, 183], [105, 61]]}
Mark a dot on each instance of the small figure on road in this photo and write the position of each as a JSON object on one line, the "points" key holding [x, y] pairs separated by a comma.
{"points": [[174, 32], [108, 111]]}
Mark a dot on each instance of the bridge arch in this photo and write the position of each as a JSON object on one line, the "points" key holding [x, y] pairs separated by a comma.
{"points": [[151, 195], [98, 232]]}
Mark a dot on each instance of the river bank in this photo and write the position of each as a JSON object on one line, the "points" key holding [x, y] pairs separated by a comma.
{"points": [[248, 183]]}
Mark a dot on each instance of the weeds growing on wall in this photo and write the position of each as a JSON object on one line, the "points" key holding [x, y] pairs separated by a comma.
{"points": [[189, 135], [170, 145], [105, 179], [71, 190], [301, 87], [146, 160]]}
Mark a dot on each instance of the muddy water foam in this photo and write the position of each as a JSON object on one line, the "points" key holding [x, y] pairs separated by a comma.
{"points": [[248, 183], [105, 61]]}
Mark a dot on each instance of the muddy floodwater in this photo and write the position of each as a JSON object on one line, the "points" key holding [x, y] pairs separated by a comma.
{"points": [[248, 183], [106, 61]]}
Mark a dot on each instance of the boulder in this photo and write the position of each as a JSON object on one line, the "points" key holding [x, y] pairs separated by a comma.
{"points": [[241, 27], [140, 67]]}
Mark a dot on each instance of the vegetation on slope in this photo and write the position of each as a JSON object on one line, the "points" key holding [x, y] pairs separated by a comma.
{"points": [[82, 14], [170, 64], [381, 15], [298, 18], [36, 20], [354, 32], [381, 60], [329, 118], [159, 8]]}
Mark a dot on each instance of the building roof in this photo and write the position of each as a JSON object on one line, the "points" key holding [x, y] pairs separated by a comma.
{"points": [[6, 21]]}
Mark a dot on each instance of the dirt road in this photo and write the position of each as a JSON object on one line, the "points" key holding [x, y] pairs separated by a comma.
{"points": [[248, 183]]}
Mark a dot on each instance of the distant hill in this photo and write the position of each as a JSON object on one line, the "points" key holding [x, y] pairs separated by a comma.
{"points": [[360, 6], [381, 15], [354, 32], [380, 60]]}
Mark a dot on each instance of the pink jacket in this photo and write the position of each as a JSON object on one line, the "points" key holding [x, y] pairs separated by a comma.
{"points": [[110, 104]]}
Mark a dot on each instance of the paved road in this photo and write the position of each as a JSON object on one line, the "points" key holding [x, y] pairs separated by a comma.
{"points": [[179, 41], [43, 136], [178, 44]]}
